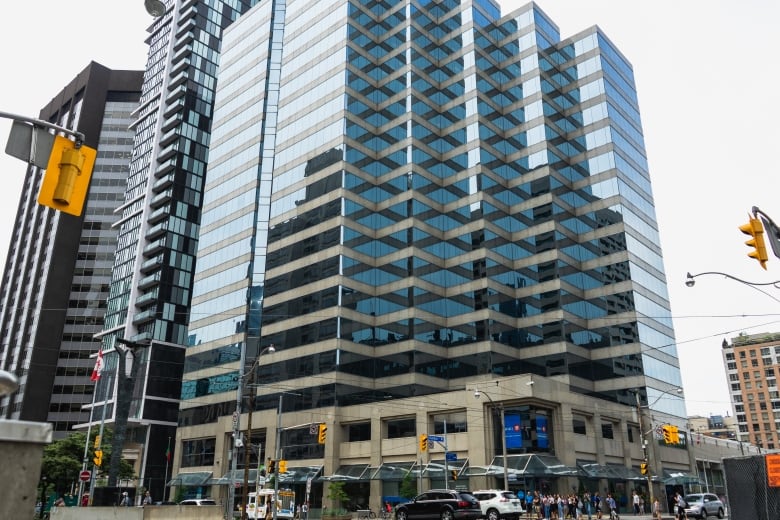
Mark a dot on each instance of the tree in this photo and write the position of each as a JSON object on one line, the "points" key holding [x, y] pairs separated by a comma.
{"points": [[337, 495], [63, 458], [408, 487]]}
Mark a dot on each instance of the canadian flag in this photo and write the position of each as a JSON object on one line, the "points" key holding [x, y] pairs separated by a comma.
{"points": [[98, 366]]}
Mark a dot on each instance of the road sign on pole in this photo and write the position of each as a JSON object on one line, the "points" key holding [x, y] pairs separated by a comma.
{"points": [[85, 475], [436, 438]]}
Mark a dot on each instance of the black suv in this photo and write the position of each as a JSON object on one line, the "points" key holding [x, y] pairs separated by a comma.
{"points": [[440, 504]]}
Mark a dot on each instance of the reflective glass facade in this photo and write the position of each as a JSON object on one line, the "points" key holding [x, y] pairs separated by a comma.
{"points": [[404, 196]]}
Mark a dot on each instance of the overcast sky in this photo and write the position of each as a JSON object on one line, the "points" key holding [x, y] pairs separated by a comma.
{"points": [[707, 79]]}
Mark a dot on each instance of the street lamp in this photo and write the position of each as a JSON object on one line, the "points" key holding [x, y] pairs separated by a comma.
{"points": [[155, 8], [237, 431], [500, 407]]}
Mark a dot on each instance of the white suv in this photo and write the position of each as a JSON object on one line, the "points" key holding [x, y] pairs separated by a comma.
{"points": [[496, 504]]}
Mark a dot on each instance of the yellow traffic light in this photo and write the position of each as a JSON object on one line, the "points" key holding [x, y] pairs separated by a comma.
{"points": [[97, 441], [282, 466], [271, 467], [423, 442], [98, 458], [454, 473], [66, 181], [755, 229], [675, 434], [322, 433], [667, 431], [643, 468]]}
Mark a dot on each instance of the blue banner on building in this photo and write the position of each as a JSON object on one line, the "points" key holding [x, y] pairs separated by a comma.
{"points": [[512, 431]]}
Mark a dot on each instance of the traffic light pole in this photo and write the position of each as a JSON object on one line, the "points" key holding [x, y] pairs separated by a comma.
{"points": [[45, 124], [86, 444], [100, 446], [277, 456], [644, 448]]}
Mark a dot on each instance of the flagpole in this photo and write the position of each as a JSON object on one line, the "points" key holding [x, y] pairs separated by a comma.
{"points": [[86, 444]]}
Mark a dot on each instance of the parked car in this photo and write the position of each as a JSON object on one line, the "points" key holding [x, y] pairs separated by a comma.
{"points": [[702, 505], [440, 504], [198, 502], [496, 504]]}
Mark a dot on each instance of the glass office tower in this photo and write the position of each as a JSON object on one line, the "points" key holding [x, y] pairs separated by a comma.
{"points": [[151, 282], [404, 197]]}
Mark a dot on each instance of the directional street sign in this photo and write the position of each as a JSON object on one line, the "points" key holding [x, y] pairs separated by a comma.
{"points": [[451, 456], [436, 438]]}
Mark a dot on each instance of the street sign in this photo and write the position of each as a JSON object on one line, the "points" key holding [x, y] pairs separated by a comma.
{"points": [[436, 438], [85, 475], [451, 456]]}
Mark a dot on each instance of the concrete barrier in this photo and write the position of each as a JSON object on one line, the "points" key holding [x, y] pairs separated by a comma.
{"points": [[21, 450], [138, 513]]}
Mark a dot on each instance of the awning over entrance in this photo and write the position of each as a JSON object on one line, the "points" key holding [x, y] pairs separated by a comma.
{"points": [[299, 474], [435, 468], [679, 478], [609, 472], [535, 465], [395, 471], [351, 473], [236, 478], [198, 478]]}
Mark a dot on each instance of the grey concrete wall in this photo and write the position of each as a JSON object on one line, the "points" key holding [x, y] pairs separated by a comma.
{"points": [[138, 513], [21, 450]]}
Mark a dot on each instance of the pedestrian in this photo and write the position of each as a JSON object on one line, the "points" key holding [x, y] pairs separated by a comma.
{"points": [[597, 505], [85, 500], [125, 499], [656, 509], [298, 512], [147, 499], [588, 505], [635, 501], [680, 501]]}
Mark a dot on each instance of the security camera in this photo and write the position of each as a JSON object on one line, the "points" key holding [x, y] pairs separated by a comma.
{"points": [[477, 394]]}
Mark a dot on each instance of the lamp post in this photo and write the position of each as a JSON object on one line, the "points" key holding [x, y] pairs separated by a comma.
{"points": [[500, 406], [252, 401], [125, 382], [690, 281]]}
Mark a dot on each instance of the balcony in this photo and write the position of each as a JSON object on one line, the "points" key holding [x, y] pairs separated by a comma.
{"points": [[149, 281], [154, 248], [157, 231], [160, 199], [152, 264], [145, 299], [163, 182], [158, 215], [144, 317]]}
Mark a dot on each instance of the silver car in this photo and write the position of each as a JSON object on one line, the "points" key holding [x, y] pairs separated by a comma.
{"points": [[702, 505]]}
